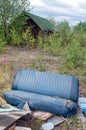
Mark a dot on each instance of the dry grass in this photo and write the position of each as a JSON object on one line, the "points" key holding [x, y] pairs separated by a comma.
{"points": [[14, 59]]}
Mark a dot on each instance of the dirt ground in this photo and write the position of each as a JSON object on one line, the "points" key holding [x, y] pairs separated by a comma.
{"points": [[14, 59]]}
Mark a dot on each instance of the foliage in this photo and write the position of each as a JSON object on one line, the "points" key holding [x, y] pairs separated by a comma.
{"points": [[39, 65], [79, 32], [80, 37], [21, 39], [70, 47], [74, 56], [64, 31], [15, 38], [68, 43], [9, 9], [19, 23], [28, 39], [2, 45], [80, 27], [50, 43]]}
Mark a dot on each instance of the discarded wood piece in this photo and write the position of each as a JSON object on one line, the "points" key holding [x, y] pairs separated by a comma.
{"points": [[24, 121], [26, 117], [12, 127], [8, 119]]}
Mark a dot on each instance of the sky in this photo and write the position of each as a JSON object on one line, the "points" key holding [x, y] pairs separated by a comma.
{"points": [[72, 11]]}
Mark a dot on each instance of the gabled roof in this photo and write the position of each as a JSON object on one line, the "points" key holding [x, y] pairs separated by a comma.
{"points": [[44, 24]]}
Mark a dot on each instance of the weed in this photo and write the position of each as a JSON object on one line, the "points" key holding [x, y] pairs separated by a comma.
{"points": [[41, 66], [32, 65]]}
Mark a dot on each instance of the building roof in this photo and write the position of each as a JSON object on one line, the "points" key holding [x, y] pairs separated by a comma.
{"points": [[44, 24]]}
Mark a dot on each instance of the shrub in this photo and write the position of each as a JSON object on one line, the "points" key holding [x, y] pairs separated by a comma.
{"points": [[14, 37], [2, 45], [28, 39], [50, 44], [75, 56]]}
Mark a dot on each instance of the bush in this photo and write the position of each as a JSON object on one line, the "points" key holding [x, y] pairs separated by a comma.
{"points": [[73, 59], [75, 55], [50, 44], [2, 45], [14, 37], [28, 39]]}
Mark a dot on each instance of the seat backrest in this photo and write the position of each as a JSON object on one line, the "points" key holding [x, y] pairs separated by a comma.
{"points": [[45, 83]]}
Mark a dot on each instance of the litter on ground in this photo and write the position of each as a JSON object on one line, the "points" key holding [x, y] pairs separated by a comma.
{"points": [[48, 126], [82, 104]]}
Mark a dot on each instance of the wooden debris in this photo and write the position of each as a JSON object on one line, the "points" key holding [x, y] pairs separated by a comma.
{"points": [[8, 119]]}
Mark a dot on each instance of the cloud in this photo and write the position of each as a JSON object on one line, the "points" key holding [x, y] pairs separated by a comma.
{"points": [[73, 11], [83, 6], [36, 3], [72, 3]]}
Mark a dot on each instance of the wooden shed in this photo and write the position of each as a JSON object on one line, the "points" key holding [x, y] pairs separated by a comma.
{"points": [[36, 23], [39, 24]]}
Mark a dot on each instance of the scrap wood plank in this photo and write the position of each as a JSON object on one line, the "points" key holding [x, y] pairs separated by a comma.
{"points": [[7, 119]]}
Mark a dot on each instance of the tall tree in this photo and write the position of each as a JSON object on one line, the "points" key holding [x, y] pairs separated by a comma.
{"points": [[9, 9]]}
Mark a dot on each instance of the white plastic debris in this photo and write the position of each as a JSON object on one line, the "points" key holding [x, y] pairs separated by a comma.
{"points": [[47, 126], [82, 104], [22, 128], [26, 107]]}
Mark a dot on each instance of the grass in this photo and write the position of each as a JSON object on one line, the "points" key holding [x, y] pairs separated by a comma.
{"points": [[14, 59]]}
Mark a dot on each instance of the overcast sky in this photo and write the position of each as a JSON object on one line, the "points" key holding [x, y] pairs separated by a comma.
{"points": [[71, 10]]}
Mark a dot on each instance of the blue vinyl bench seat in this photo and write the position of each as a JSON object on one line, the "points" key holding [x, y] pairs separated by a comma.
{"points": [[44, 91]]}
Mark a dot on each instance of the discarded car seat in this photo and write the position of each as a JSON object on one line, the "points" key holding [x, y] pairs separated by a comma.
{"points": [[44, 91]]}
